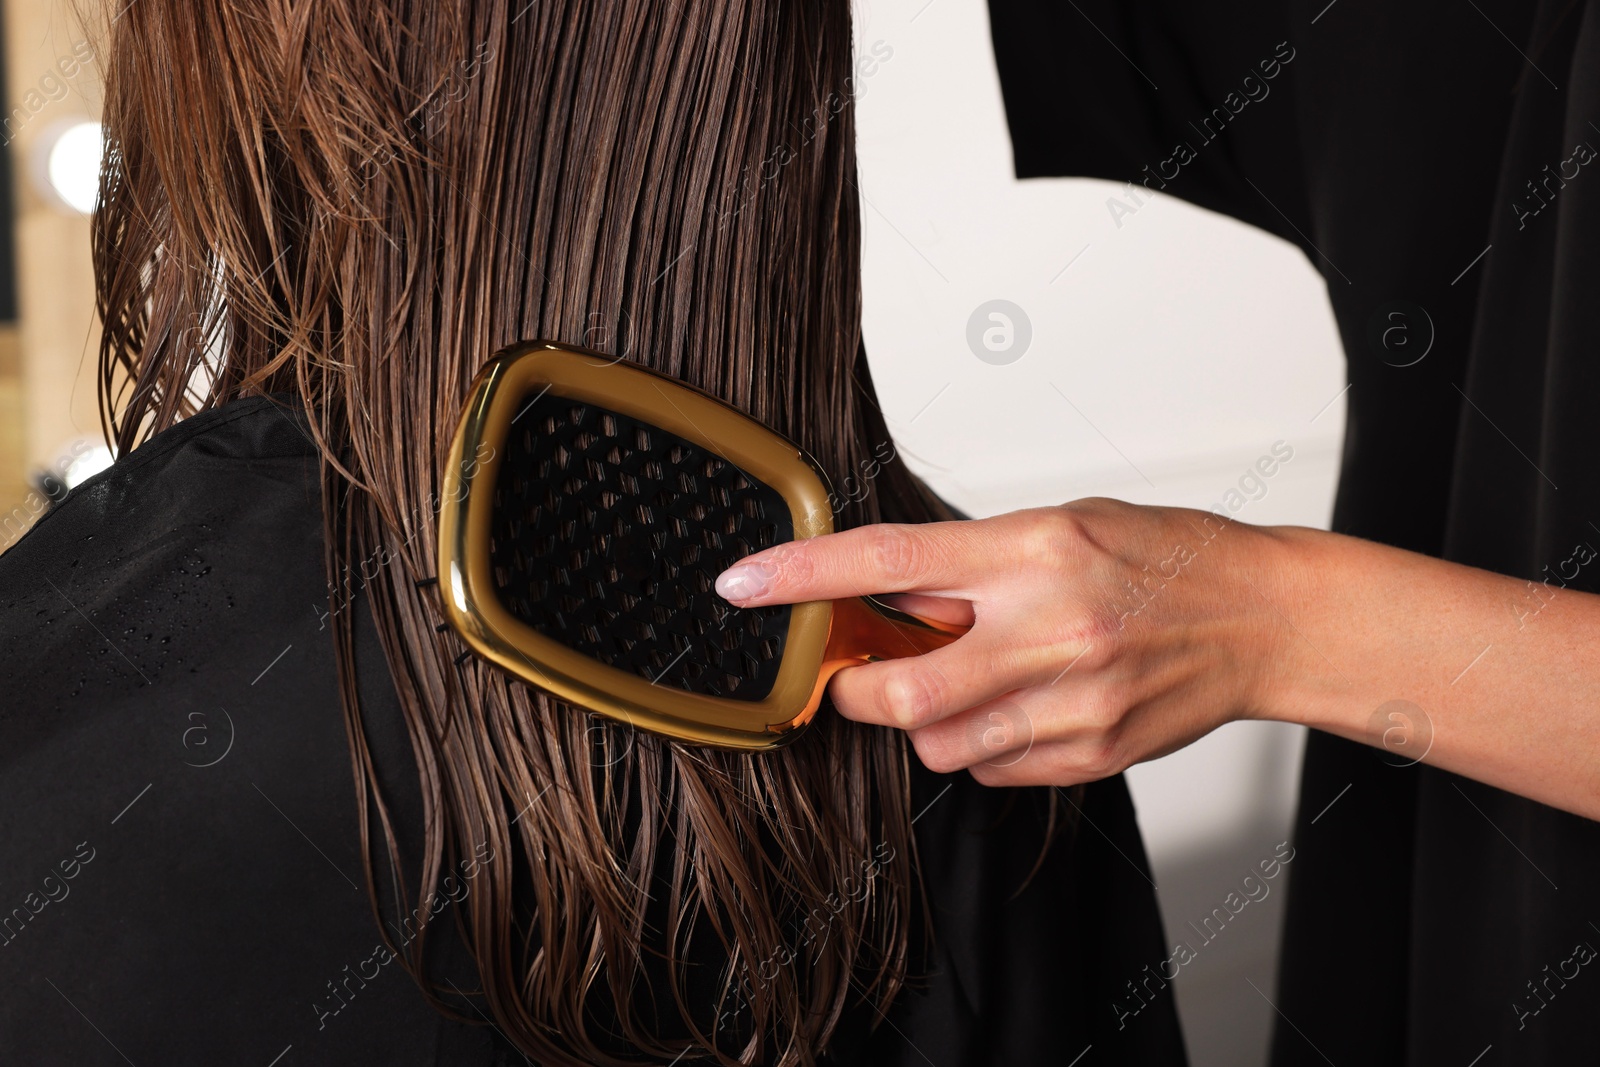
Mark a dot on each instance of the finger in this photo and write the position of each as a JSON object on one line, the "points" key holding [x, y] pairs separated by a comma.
{"points": [[881, 558], [1056, 763], [917, 691], [999, 732], [946, 609]]}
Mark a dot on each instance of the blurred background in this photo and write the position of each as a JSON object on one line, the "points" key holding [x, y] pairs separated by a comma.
{"points": [[49, 425], [1032, 343]]}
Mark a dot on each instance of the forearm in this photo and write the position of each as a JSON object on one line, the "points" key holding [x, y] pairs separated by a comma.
{"points": [[1506, 674]]}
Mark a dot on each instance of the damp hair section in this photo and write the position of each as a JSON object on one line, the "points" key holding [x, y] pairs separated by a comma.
{"points": [[356, 204]]}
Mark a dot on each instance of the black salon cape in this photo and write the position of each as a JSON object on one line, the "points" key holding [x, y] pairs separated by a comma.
{"points": [[1395, 142], [180, 876]]}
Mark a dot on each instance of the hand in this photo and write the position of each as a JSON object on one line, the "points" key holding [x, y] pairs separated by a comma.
{"points": [[1103, 633]]}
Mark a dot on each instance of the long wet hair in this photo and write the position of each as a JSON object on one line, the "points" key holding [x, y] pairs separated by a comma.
{"points": [[357, 203]]}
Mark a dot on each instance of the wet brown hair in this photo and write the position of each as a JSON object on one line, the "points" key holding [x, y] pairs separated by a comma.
{"points": [[357, 203]]}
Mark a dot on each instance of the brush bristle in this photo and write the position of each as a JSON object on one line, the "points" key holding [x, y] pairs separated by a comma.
{"points": [[607, 535]]}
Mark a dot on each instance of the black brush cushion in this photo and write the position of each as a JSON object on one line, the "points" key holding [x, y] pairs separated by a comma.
{"points": [[607, 535]]}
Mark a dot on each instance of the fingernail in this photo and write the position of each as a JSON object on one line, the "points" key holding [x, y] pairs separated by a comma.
{"points": [[744, 582]]}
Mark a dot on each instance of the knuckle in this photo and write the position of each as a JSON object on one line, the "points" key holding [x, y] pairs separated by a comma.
{"points": [[1102, 757], [1100, 710], [1101, 749], [936, 752], [912, 695], [789, 564], [897, 553], [1048, 537]]}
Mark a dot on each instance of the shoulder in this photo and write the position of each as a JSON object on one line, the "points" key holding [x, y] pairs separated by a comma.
{"points": [[173, 749], [261, 434], [151, 564]]}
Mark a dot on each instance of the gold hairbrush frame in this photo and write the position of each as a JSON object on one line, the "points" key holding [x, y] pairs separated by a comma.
{"points": [[823, 636]]}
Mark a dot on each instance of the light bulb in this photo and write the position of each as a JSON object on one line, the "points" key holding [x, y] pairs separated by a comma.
{"points": [[72, 165]]}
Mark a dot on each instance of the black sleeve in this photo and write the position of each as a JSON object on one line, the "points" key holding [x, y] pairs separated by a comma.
{"points": [[1196, 101]]}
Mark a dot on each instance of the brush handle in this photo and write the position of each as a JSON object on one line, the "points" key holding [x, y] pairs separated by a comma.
{"points": [[864, 630]]}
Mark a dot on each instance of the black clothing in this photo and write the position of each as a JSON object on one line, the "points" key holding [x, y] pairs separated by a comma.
{"points": [[180, 874], [1433, 159]]}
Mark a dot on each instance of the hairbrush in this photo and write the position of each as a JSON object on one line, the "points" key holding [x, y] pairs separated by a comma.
{"points": [[589, 505]]}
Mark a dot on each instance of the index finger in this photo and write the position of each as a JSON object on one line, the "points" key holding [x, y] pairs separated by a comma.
{"points": [[881, 558]]}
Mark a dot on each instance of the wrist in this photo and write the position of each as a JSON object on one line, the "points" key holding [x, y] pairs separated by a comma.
{"points": [[1290, 578], [1325, 673]]}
